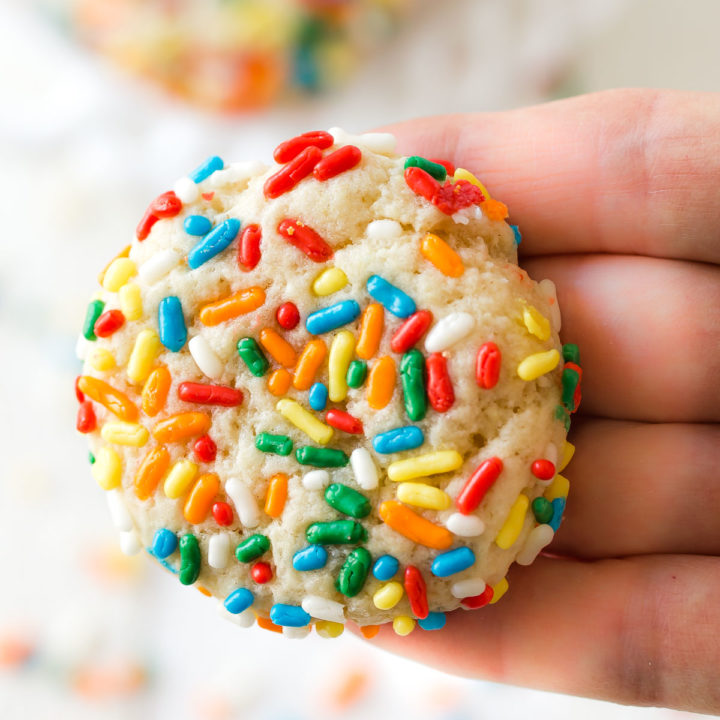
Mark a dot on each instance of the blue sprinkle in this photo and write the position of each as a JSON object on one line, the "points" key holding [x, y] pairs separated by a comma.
{"points": [[289, 615], [213, 243], [164, 543], [392, 298], [318, 397], [164, 563], [313, 557], [385, 567], [558, 509], [434, 621], [171, 323], [197, 225], [399, 439], [332, 317], [204, 171], [453, 561], [516, 232], [238, 601]]}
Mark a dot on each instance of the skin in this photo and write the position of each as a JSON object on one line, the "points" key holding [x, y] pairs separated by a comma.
{"points": [[617, 195]]}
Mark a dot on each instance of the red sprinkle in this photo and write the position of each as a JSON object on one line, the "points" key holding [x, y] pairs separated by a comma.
{"points": [[291, 174], [145, 225], [344, 421], [205, 449], [446, 164], [86, 420], [452, 197], [209, 394], [306, 239], [108, 323], [222, 513], [577, 395], [439, 386], [261, 572], [288, 316], [290, 149], [416, 592], [487, 365], [411, 331], [478, 484], [79, 394], [421, 183], [346, 158], [249, 246], [208, 196], [478, 601], [543, 469], [166, 205]]}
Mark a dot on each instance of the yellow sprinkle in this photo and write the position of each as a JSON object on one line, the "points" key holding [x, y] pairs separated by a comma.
{"points": [[513, 526], [125, 433], [388, 595], [303, 420], [329, 281], [536, 323], [462, 174], [341, 353], [118, 273], [424, 496], [558, 488], [533, 366], [329, 629], [131, 302], [107, 468], [181, 474], [147, 348], [567, 455], [403, 625], [499, 589], [101, 359], [432, 463]]}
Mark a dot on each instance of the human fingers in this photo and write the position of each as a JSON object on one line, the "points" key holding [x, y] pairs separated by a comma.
{"points": [[626, 171]]}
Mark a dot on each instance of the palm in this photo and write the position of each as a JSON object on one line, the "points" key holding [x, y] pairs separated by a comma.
{"points": [[618, 198]]}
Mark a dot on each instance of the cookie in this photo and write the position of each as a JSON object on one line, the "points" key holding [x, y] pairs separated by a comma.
{"points": [[324, 391]]}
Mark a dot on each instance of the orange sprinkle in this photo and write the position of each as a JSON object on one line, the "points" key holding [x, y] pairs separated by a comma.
{"points": [[155, 391], [151, 471], [200, 499], [125, 252], [369, 631], [441, 255], [203, 590], [281, 350], [239, 303], [381, 383], [371, 328], [494, 209], [279, 382], [276, 495], [413, 526], [115, 401], [309, 363], [181, 427], [350, 689], [267, 624]]}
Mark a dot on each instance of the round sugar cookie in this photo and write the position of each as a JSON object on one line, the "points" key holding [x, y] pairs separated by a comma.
{"points": [[324, 391]]}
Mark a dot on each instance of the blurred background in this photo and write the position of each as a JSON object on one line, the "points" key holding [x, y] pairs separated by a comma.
{"points": [[104, 103]]}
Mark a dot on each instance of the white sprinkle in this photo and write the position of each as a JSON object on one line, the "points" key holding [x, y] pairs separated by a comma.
{"points": [[236, 173], [383, 230], [467, 588], [245, 503], [448, 331], [382, 143], [364, 469], [539, 537], [205, 357], [245, 619], [547, 288], [324, 609], [218, 551], [316, 479], [82, 346], [118, 510], [129, 543], [296, 633], [460, 218], [158, 266], [186, 190], [465, 525]]}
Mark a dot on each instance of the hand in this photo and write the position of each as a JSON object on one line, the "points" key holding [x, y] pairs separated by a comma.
{"points": [[618, 199]]}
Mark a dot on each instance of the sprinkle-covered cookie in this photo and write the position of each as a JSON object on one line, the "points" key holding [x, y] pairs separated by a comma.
{"points": [[324, 391]]}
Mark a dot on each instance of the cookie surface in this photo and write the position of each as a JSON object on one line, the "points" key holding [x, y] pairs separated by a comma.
{"points": [[324, 391]]}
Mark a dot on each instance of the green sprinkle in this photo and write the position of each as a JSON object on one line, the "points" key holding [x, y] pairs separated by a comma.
{"points": [[356, 374], [252, 548], [571, 353], [570, 382], [354, 572], [562, 414], [94, 311], [277, 444], [412, 374], [542, 509], [346, 500], [321, 457], [251, 354], [189, 559], [437, 170], [91, 458], [337, 532]]}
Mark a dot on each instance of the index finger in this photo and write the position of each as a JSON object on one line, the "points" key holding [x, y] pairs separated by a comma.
{"points": [[629, 171]]}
